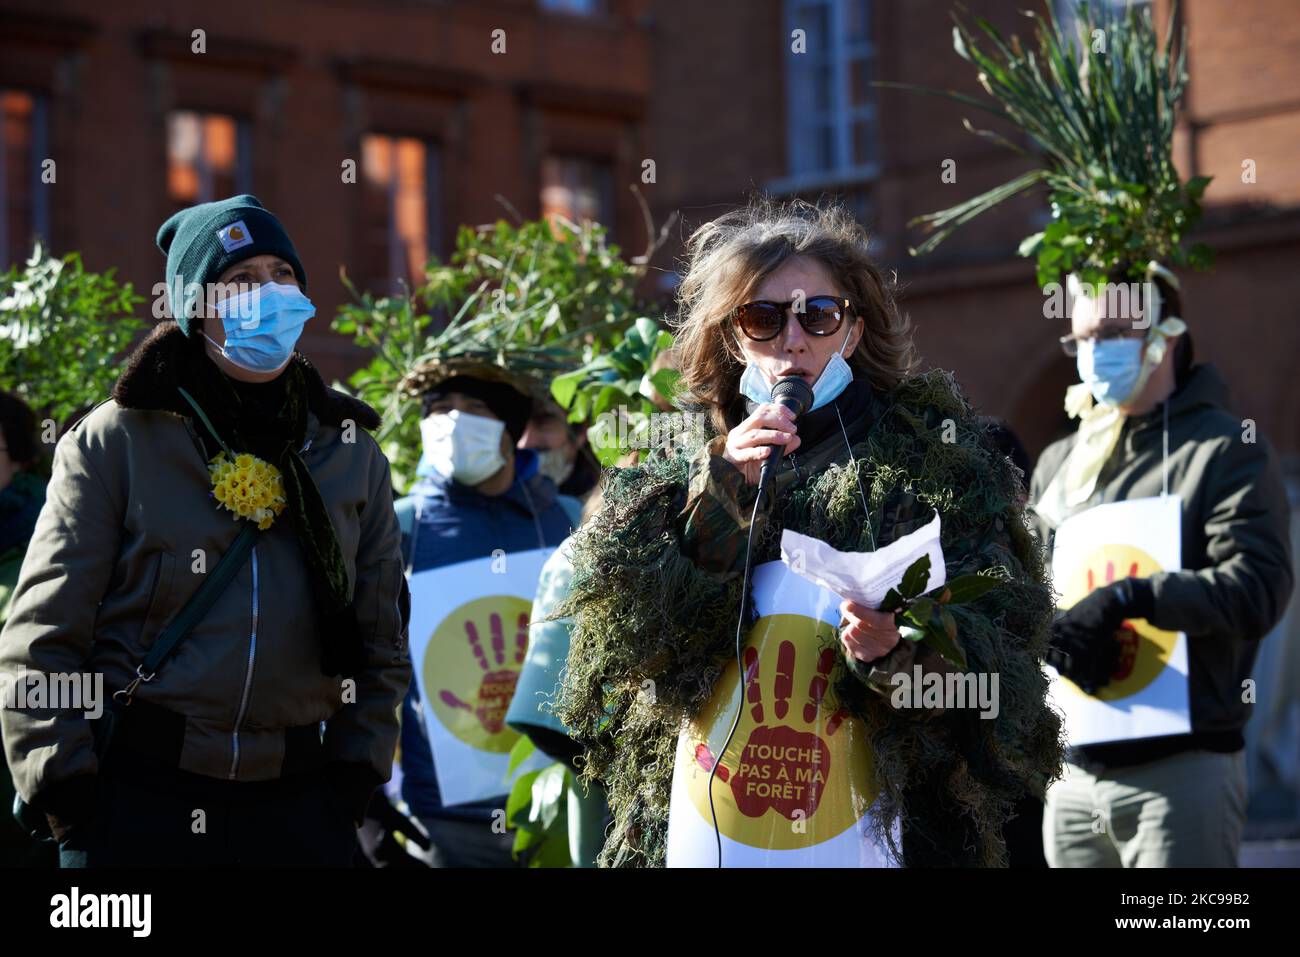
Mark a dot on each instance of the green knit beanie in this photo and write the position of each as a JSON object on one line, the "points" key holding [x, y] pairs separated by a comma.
{"points": [[202, 242]]}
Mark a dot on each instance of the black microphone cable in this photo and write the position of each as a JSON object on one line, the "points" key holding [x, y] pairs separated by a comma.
{"points": [[797, 390], [740, 669]]}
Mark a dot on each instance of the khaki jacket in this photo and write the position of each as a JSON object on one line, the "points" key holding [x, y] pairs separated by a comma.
{"points": [[127, 533]]}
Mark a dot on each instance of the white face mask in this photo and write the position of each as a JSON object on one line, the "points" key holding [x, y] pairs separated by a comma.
{"points": [[833, 379], [462, 446]]}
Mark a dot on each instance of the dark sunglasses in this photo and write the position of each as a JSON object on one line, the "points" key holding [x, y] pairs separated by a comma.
{"points": [[763, 319]]}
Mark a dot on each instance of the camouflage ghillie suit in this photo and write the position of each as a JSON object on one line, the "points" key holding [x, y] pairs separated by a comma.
{"points": [[656, 595]]}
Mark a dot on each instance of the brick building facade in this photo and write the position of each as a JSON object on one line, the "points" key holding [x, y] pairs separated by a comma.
{"points": [[973, 301], [439, 113], [438, 125]]}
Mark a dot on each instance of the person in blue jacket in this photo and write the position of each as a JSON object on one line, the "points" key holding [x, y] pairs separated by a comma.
{"points": [[476, 493]]}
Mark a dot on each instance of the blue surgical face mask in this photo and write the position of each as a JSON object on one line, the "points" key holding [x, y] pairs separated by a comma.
{"points": [[263, 325], [833, 380], [1111, 368]]}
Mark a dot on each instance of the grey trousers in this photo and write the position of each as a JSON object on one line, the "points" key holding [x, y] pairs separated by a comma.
{"points": [[1187, 810]]}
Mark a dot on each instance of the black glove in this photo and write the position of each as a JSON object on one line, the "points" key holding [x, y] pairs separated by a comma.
{"points": [[65, 806], [378, 835], [1083, 646]]}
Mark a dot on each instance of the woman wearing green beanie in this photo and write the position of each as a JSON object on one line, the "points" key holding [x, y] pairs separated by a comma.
{"points": [[219, 544]]}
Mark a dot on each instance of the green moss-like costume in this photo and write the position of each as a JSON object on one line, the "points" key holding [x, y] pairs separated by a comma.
{"points": [[644, 609]]}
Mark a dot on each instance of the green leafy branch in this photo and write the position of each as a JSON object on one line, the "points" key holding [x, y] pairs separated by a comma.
{"points": [[539, 298], [63, 330], [1101, 116], [925, 617], [537, 810], [619, 382]]}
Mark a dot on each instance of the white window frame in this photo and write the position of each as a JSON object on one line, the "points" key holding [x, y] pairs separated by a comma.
{"points": [[840, 53]]}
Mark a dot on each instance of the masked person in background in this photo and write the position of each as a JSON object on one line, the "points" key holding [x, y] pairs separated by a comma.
{"points": [[477, 496], [1151, 422], [221, 467], [22, 493], [563, 453]]}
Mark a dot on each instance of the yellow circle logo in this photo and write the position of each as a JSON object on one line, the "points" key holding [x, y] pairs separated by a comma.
{"points": [[472, 666], [798, 771], [1144, 650]]}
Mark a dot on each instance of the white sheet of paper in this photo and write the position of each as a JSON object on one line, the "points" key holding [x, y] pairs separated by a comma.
{"points": [[864, 577]]}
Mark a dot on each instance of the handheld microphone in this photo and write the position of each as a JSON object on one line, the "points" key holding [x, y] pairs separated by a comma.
{"points": [[795, 394]]}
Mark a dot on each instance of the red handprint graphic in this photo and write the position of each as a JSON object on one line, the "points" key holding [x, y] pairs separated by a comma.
{"points": [[780, 768], [497, 685], [1127, 635]]}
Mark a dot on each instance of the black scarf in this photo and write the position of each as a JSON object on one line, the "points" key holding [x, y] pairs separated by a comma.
{"points": [[269, 421]]}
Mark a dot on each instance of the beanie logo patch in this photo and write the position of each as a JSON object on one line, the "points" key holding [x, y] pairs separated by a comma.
{"points": [[234, 236]]}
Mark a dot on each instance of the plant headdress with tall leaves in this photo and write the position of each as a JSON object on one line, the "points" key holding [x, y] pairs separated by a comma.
{"points": [[1101, 115]]}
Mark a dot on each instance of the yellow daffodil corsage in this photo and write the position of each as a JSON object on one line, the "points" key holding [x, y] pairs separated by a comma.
{"points": [[249, 487]]}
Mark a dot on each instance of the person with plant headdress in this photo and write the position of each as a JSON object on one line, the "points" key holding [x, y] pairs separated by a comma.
{"points": [[1152, 423], [772, 292], [477, 496], [218, 541]]}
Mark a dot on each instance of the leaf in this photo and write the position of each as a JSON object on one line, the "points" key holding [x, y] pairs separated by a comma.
{"points": [[942, 638], [949, 622], [893, 601], [914, 579], [665, 382], [548, 795], [1196, 186], [1029, 245], [521, 795], [921, 610], [967, 588], [520, 753]]}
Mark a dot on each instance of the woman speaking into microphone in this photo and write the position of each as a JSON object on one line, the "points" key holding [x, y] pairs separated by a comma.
{"points": [[739, 714]]}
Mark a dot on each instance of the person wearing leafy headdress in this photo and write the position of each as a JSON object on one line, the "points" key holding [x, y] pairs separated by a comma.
{"points": [[477, 495], [1151, 422], [658, 571], [275, 715]]}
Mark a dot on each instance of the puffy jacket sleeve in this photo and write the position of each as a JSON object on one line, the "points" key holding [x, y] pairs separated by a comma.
{"points": [[365, 730], [51, 624], [1245, 588], [647, 623], [714, 525]]}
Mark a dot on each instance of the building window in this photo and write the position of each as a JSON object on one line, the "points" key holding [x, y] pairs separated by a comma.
{"points": [[831, 111], [580, 7], [578, 188], [208, 157], [400, 227], [24, 199], [1104, 11]]}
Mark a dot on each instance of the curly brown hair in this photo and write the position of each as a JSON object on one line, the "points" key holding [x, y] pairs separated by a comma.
{"points": [[729, 257]]}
